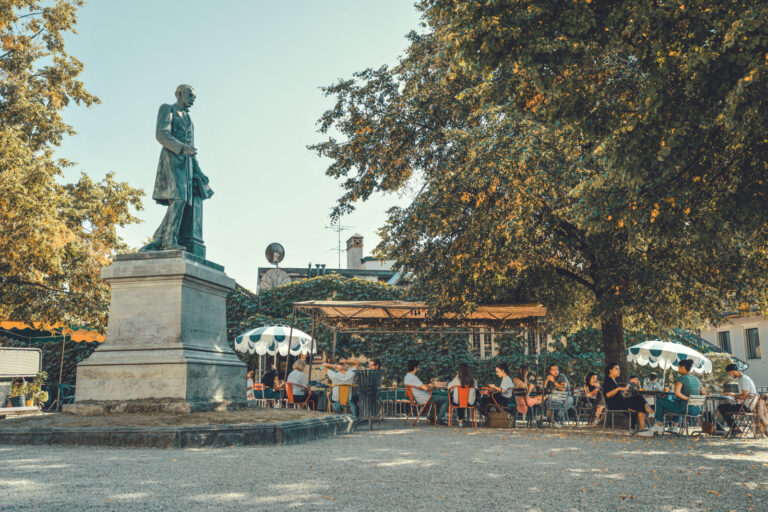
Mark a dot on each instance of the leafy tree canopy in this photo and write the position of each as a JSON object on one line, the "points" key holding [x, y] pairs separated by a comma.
{"points": [[605, 158], [54, 236]]}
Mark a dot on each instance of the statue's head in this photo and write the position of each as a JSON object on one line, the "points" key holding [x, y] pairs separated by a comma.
{"points": [[185, 96]]}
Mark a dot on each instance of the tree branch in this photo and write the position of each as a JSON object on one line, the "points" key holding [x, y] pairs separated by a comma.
{"points": [[21, 282], [564, 272]]}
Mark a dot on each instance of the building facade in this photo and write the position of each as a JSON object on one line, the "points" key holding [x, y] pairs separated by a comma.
{"points": [[743, 337]]}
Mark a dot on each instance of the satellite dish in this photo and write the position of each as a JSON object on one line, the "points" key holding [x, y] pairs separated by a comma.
{"points": [[273, 278], [275, 253]]}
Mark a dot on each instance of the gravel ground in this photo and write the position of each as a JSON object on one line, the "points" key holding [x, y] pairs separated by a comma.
{"points": [[396, 468]]}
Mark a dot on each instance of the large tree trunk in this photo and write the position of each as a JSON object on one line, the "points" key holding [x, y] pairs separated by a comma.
{"points": [[613, 343]]}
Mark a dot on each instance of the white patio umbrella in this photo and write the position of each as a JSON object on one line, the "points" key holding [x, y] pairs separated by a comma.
{"points": [[666, 355], [273, 339]]}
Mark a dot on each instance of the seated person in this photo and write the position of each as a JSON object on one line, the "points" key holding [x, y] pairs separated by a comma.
{"points": [[652, 383], [249, 385], [503, 392], [592, 394], [746, 387], [338, 374], [686, 386], [521, 382], [421, 391], [272, 384], [297, 376], [634, 384], [559, 382], [616, 401], [463, 378]]}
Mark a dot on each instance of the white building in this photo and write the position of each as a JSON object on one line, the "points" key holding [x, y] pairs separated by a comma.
{"points": [[743, 337]]}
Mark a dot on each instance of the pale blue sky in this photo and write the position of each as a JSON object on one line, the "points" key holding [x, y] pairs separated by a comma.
{"points": [[257, 67]]}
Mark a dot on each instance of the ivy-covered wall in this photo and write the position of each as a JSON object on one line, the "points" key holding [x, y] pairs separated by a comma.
{"points": [[440, 354]]}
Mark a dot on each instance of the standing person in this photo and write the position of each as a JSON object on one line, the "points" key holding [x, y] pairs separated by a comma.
{"points": [[686, 386], [557, 381], [249, 386], [616, 401], [463, 378], [297, 376], [592, 393], [521, 382], [421, 391], [503, 392], [374, 364], [746, 387], [338, 374]]}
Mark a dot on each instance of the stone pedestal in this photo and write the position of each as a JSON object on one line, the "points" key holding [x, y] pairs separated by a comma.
{"points": [[166, 347]]}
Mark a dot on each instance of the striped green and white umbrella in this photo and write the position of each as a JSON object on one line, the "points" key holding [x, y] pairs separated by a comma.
{"points": [[273, 339], [666, 355]]}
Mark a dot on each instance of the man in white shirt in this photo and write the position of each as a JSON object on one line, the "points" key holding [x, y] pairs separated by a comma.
{"points": [[421, 391], [338, 374], [746, 387]]}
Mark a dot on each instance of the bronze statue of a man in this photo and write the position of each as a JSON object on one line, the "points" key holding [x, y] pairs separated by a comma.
{"points": [[179, 184]]}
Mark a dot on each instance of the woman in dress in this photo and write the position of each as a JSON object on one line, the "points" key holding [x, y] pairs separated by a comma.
{"points": [[525, 401]]}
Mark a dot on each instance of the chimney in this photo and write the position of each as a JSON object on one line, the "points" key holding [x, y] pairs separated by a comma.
{"points": [[355, 252]]}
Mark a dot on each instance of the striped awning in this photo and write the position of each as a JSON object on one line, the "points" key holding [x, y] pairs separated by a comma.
{"points": [[41, 331]]}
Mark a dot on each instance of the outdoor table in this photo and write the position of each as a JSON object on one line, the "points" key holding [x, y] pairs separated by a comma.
{"points": [[318, 390], [710, 406]]}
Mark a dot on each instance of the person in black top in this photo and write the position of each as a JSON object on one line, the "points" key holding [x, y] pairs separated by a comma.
{"points": [[272, 384], [615, 399]]}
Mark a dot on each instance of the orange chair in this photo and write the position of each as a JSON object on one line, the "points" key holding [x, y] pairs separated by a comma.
{"points": [[463, 404], [420, 408], [345, 393], [306, 404]]}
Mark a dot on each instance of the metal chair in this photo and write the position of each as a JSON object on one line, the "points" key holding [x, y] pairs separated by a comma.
{"points": [[463, 392], [345, 394], [686, 417], [613, 412], [521, 395], [263, 401], [744, 418], [419, 408], [306, 404], [586, 409], [556, 402]]}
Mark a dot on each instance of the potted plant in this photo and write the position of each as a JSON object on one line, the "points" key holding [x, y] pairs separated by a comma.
{"points": [[18, 394], [35, 395]]}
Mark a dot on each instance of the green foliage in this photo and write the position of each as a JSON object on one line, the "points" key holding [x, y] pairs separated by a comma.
{"points": [[54, 236], [589, 156]]}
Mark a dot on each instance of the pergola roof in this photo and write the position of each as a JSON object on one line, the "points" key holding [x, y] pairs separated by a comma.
{"points": [[345, 315]]}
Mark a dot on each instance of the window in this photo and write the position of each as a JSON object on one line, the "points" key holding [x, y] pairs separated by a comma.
{"points": [[475, 342], [487, 346], [533, 345], [753, 344], [724, 340]]}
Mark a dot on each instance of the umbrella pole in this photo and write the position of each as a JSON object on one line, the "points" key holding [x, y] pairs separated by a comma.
{"points": [[311, 346], [333, 356], [290, 339], [61, 369]]}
